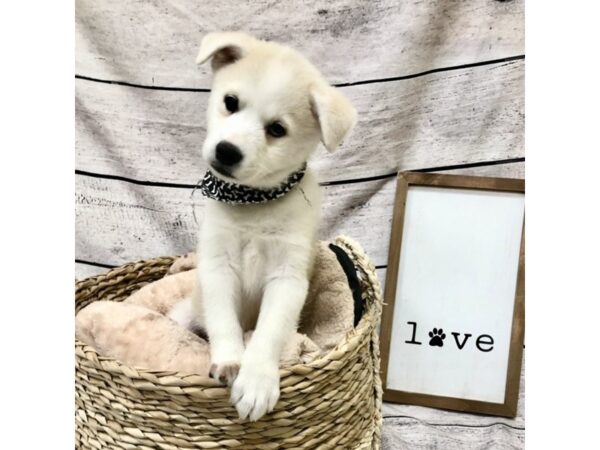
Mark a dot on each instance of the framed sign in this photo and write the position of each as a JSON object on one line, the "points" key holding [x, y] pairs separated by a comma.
{"points": [[453, 324]]}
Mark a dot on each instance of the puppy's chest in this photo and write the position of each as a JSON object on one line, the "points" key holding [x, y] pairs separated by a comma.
{"points": [[256, 263], [253, 269], [253, 262]]}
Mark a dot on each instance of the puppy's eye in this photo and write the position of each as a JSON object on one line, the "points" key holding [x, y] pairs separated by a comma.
{"points": [[276, 130], [231, 103]]}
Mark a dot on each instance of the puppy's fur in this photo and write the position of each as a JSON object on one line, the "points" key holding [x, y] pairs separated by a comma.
{"points": [[255, 260]]}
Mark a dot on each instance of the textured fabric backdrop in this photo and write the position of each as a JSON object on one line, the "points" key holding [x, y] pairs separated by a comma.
{"points": [[438, 86]]}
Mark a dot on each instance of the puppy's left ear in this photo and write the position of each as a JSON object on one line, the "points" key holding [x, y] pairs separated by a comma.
{"points": [[334, 112], [224, 48]]}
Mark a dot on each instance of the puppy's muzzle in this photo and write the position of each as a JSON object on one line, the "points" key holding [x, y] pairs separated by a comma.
{"points": [[227, 154]]}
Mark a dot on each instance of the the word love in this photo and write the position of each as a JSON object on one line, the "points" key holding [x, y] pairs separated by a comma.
{"points": [[484, 342]]}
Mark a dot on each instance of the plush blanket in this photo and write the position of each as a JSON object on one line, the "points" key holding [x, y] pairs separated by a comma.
{"points": [[138, 332]]}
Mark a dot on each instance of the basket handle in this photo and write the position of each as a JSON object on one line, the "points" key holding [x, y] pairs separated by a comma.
{"points": [[366, 270]]}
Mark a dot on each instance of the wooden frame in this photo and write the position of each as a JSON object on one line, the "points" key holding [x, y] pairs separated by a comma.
{"points": [[509, 407]]}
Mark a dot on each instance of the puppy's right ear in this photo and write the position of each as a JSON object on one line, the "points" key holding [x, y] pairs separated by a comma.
{"points": [[224, 48]]}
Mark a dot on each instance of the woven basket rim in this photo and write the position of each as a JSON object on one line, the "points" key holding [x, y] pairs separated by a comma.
{"points": [[349, 342]]}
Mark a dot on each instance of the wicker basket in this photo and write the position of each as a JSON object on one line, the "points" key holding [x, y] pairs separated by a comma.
{"points": [[332, 403]]}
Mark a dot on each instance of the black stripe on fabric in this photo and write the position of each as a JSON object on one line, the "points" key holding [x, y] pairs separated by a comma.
{"points": [[133, 181], [429, 72], [359, 180], [514, 427], [324, 183], [469, 165], [348, 84], [95, 264], [140, 86], [427, 169]]}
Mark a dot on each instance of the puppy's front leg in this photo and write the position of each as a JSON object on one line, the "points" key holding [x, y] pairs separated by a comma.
{"points": [[256, 389], [220, 288]]}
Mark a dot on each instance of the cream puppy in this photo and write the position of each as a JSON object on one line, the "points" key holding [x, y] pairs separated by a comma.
{"points": [[268, 110]]}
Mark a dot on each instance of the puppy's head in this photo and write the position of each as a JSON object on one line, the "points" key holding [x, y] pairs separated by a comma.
{"points": [[268, 110]]}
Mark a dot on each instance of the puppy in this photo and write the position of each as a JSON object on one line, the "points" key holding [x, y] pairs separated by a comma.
{"points": [[268, 110]]}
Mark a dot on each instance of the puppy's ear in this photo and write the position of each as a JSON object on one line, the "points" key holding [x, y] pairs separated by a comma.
{"points": [[224, 48], [334, 112]]}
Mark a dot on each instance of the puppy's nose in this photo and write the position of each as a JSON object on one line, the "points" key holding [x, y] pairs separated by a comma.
{"points": [[228, 154]]}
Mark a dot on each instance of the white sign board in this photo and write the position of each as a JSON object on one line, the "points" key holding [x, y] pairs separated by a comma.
{"points": [[454, 300]]}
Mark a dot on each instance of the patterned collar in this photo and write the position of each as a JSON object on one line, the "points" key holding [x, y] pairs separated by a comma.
{"points": [[238, 194]]}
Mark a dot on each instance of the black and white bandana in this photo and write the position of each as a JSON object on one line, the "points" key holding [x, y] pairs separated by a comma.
{"points": [[238, 194]]}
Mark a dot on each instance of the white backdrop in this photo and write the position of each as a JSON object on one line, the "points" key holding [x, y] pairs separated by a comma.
{"points": [[438, 86]]}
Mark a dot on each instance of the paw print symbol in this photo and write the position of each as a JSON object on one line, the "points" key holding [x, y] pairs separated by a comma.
{"points": [[437, 337]]}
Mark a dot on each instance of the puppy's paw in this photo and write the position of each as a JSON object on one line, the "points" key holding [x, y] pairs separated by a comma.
{"points": [[255, 391], [183, 263], [225, 372]]}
